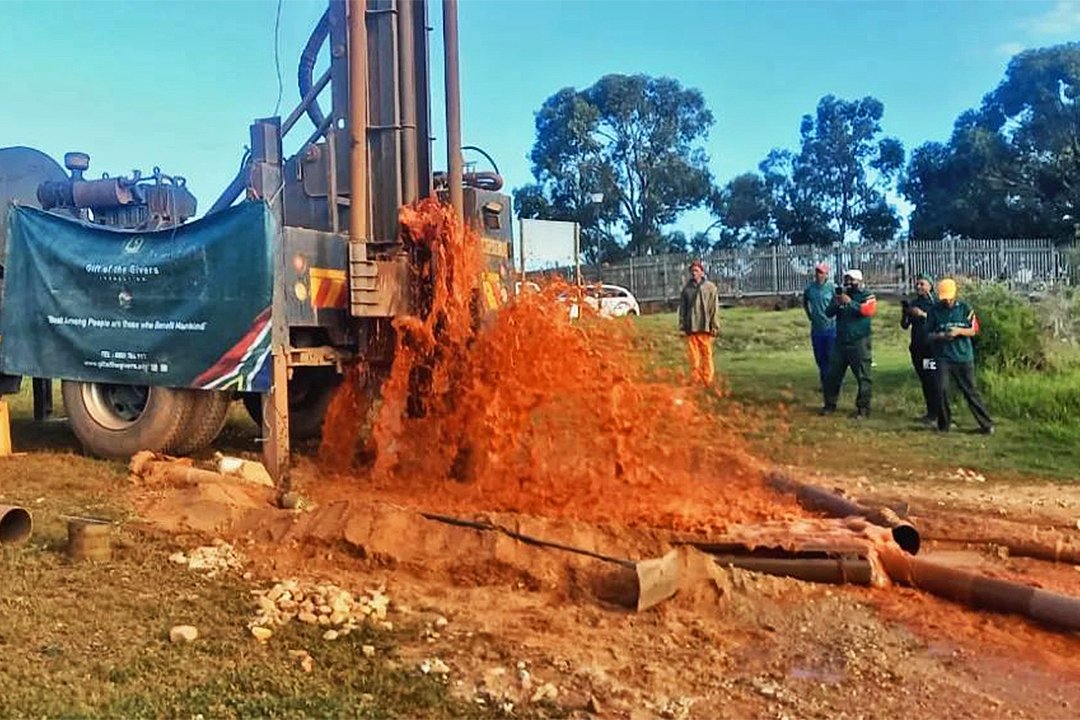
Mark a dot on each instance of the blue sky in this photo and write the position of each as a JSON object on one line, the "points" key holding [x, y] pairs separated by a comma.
{"points": [[175, 84]]}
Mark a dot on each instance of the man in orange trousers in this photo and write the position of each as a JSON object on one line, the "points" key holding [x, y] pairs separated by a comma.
{"points": [[698, 307]]}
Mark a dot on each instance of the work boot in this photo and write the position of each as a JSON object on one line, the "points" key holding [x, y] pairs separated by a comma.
{"points": [[988, 430], [827, 410]]}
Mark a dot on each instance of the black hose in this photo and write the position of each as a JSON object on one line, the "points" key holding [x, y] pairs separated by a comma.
{"points": [[305, 73]]}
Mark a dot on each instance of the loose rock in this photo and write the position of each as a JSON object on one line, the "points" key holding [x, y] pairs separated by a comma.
{"points": [[183, 633]]}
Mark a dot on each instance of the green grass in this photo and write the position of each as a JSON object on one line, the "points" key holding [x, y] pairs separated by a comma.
{"points": [[767, 359]]}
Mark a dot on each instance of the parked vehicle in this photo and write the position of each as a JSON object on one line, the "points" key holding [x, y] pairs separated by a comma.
{"points": [[609, 301]]}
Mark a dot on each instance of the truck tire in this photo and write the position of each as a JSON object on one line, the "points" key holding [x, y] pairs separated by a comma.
{"points": [[208, 412], [310, 392], [117, 421]]}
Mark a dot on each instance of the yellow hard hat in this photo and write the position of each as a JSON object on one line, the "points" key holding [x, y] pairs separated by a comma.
{"points": [[946, 289]]}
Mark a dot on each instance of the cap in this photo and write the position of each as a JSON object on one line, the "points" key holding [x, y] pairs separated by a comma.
{"points": [[855, 275], [822, 267], [946, 289]]}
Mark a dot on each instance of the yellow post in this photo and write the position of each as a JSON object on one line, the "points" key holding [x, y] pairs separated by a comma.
{"points": [[5, 429]]}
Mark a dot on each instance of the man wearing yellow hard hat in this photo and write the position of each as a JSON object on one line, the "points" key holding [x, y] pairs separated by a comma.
{"points": [[951, 324]]}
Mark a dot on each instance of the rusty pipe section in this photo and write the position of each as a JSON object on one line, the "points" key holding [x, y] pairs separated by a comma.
{"points": [[358, 121], [834, 571], [1018, 538], [452, 78], [818, 499], [16, 525], [970, 588]]}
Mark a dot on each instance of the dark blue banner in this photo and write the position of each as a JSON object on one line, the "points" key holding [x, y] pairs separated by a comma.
{"points": [[186, 307]]}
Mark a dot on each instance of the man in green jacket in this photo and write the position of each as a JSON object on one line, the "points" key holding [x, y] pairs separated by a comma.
{"points": [[698, 321], [852, 306], [951, 325], [915, 312], [816, 297]]}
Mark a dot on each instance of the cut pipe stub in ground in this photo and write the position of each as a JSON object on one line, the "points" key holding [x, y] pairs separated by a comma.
{"points": [[16, 525], [89, 539]]}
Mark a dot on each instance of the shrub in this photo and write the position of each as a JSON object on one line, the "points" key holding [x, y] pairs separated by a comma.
{"points": [[1011, 336]]}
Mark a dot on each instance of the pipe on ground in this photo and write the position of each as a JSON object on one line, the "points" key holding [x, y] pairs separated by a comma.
{"points": [[1020, 540], [16, 525], [835, 571], [979, 591], [825, 501]]}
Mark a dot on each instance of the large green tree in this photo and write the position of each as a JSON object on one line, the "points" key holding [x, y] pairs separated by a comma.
{"points": [[833, 188], [623, 158], [1012, 166]]}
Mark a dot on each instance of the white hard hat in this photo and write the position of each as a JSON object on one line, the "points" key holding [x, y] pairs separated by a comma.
{"points": [[855, 275]]}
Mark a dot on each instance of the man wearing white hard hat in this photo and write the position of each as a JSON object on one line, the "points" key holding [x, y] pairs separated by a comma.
{"points": [[852, 306]]}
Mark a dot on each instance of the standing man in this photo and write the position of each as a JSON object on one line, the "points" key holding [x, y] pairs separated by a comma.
{"points": [[698, 320], [951, 325], [852, 306], [815, 299], [914, 315]]}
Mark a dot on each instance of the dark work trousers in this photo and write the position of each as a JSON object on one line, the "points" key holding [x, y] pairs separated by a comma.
{"points": [[856, 355], [822, 341], [923, 362], [963, 374]]}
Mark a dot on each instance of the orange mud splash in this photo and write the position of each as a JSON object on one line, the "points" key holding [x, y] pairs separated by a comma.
{"points": [[528, 411]]}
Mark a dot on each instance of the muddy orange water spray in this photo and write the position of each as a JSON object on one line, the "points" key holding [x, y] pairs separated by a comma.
{"points": [[528, 411]]}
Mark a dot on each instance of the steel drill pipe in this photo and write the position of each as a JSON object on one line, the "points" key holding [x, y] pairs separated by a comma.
{"points": [[16, 525], [358, 121], [825, 501], [979, 591], [452, 78]]}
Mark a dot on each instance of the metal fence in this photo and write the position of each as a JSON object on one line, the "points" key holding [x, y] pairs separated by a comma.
{"points": [[886, 267]]}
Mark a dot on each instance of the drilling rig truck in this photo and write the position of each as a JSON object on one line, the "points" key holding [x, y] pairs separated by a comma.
{"points": [[155, 322]]}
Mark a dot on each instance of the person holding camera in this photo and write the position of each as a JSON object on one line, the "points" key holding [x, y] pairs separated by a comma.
{"points": [[816, 297], [951, 324], [914, 315], [852, 306]]}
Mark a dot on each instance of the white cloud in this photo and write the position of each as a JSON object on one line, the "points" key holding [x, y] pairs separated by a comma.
{"points": [[1010, 49], [1062, 19]]}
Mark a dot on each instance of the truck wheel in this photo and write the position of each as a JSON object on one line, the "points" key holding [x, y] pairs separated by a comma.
{"points": [[310, 392], [117, 421], [207, 414]]}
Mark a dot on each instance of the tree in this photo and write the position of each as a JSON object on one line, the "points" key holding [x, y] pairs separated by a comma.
{"points": [[833, 188], [633, 141], [744, 211], [797, 216], [1012, 166], [844, 166]]}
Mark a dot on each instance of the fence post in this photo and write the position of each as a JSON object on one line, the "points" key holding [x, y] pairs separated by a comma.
{"points": [[952, 255], [775, 270], [633, 291]]}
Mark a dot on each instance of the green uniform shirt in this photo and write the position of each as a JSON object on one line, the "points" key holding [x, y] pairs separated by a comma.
{"points": [[960, 315], [919, 334], [853, 319], [815, 300]]}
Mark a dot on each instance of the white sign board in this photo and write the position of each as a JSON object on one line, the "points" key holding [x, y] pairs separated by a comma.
{"points": [[547, 244]]}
